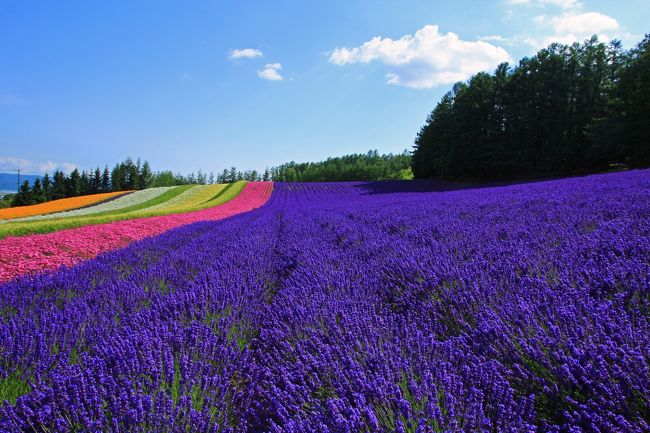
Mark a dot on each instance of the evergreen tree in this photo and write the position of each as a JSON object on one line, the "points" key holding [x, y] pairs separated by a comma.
{"points": [[200, 178], [84, 183], [145, 176], [223, 177], [58, 185], [73, 184], [232, 175], [24, 195], [47, 187], [37, 194], [105, 184], [118, 178], [131, 175], [635, 87]]}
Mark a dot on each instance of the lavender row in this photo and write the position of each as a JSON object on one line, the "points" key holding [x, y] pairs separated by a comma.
{"points": [[352, 308]]}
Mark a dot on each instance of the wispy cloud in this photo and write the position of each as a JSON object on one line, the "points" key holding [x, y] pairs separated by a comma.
{"points": [[245, 53], [270, 72], [34, 167], [425, 59]]}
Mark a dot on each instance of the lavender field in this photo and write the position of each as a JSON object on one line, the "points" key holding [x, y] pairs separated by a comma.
{"points": [[351, 307]]}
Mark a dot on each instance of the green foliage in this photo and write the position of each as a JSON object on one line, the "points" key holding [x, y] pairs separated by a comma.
{"points": [[567, 109], [24, 195], [198, 398], [169, 178], [635, 92], [6, 201], [176, 383], [12, 387], [369, 166]]}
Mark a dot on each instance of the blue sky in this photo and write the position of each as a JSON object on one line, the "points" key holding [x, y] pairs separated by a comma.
{"points": [[209, 84]]}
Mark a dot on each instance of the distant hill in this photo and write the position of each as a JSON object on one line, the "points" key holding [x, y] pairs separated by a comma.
{"points": [[8, 181]]}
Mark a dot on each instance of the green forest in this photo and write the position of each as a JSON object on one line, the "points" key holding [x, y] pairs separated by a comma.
{"points": [[566, 110], [355, 167]]}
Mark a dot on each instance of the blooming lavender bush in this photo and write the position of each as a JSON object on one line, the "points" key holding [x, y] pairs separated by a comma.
{"points": [[356, 307]]}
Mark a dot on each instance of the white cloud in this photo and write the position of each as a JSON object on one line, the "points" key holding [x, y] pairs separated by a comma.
{"points": [[31, 167], [426, 59], [571, 27], [571, 24], [246, 53], [270, 72], [586, 23]]}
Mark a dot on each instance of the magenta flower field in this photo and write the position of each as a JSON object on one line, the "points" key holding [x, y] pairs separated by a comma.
{"points": [[343, 307]]}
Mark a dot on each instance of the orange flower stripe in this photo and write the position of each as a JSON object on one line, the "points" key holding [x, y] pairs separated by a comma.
{"points": [[56, 205]]}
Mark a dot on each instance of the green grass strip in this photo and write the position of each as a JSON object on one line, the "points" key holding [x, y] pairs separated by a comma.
{"points": [[167, 195], [137, 211], [195, 196], [223, 191]]}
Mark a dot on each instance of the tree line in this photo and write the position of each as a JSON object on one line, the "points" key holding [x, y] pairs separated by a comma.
{"points": [[370, 166], [354, 167], [127, 175], [567, 109]]}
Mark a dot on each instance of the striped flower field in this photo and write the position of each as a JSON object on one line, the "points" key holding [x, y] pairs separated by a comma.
{"points": [[119, 204], [57, 205], [145, 203], [340, 307]]}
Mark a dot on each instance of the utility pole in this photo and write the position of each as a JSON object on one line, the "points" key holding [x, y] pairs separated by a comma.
{"points": [[18, 189]]}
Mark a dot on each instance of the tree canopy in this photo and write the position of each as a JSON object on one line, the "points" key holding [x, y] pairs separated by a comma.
{"points": [[358, 166]]}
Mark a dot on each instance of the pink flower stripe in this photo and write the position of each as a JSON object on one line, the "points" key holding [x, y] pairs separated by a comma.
{"points": [[33, 253]]}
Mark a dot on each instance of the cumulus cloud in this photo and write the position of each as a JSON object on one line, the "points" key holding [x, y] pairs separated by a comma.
{"points": [[593, 22], [425, 59], [571, 27], [270, 72], [245, 53], [34, 167], [571, 24]]}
